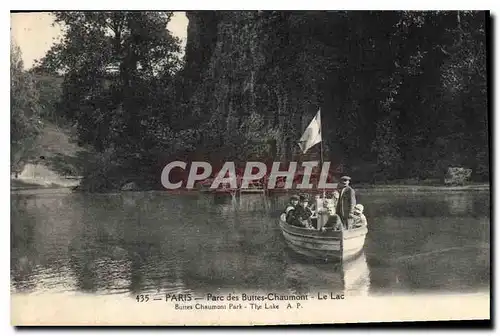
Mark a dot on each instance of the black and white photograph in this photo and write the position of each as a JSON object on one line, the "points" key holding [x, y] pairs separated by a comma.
{"points": [[250, 167]]}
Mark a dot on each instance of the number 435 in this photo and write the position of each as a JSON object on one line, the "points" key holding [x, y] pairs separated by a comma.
{"points": [[142, 298]]}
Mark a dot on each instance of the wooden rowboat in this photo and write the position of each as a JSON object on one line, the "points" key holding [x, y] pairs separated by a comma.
{"points": [[343, 245]]}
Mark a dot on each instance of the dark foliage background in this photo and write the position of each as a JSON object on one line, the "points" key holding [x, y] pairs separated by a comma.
{"points": [[403, 94]]}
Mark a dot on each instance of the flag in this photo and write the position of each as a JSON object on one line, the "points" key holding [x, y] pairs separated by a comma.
{"points": [[312, 134]]}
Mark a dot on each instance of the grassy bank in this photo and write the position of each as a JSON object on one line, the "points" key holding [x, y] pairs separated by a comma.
{"points": [[55, 161]]}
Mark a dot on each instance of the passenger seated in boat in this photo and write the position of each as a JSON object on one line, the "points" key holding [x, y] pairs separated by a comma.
{"points": [[331, 203], [359, 219], [290, 208], [334, 222], [302, 214], [335, 197], [325, 207]]}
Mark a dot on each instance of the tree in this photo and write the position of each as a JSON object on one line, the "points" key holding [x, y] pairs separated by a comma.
{"points": [[464, 87], [119, 73], [49, 88], [112, 62], [25, 123]]}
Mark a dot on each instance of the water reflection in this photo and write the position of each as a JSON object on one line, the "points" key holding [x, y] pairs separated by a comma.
{"points": [[156, 242], [23, 250], [352, 278], [356, 276], [459, 203]]}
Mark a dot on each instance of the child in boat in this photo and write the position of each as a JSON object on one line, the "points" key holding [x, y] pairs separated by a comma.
{"points": [[335, 196], [302, 214], [290, 208], [334, 222], [331, 203], [359, 219], [326, 209]]}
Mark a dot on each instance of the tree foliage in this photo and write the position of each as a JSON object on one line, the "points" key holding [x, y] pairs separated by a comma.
{"points": [[402, 94], [118, 90], [403, 90], [25, 122], [49, 89], [117, 70]]}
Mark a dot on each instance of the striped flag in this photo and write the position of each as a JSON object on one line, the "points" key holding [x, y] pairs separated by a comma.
{"points": [[312, 134]]}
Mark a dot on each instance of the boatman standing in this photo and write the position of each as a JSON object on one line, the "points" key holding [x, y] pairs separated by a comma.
{"points": [[346, 202]]}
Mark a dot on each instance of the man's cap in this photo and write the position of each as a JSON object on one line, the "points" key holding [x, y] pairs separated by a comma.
{"points": [[304, 197], [345, 177], [294, 198]]}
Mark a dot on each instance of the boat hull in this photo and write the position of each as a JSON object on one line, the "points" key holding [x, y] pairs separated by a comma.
{"points": [[329, 245]]}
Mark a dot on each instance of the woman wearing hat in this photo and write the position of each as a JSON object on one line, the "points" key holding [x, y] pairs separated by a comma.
{"points": [[346, 202], [290, 208], [302, 214]]}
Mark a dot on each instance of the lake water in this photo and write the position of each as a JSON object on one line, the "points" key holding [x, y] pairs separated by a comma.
{"points": [[154, 242]]}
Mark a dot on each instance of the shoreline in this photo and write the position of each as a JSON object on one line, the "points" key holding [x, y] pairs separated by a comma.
{"points": [[41, 177], [22, 185], [409, 187]]}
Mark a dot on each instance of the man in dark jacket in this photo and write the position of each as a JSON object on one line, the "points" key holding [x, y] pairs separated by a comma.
{"points": [[346, 202]]}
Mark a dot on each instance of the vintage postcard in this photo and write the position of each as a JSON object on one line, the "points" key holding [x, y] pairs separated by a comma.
{"points": [[249, 167]]}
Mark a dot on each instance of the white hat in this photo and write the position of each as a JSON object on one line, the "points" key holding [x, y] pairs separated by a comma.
{"points": [[359, 207]]}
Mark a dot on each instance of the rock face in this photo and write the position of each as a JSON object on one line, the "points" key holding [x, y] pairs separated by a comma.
{"points": [[263, 75], [131, 186], [457, 176], [248, 78], [202, 36], [224, 89]]}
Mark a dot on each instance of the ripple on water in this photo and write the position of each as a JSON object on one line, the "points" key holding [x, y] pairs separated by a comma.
{"points": [[157, 243]]}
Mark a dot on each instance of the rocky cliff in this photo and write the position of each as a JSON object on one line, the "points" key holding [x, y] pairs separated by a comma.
{"points": [[381, 80], [249, 77]]}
